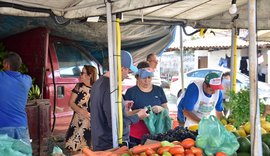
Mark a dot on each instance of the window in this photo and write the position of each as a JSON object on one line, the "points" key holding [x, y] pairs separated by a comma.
{"points": [[71, 59]]}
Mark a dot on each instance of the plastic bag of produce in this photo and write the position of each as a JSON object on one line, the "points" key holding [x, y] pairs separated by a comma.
{"points": [[12, 147], [158, 123], [213, 137]]}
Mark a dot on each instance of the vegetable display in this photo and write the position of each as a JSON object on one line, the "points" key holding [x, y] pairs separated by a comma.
{"points": [[178, 134]]}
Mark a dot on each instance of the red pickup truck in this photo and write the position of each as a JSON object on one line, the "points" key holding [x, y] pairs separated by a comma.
{"points": [[55, 64]]}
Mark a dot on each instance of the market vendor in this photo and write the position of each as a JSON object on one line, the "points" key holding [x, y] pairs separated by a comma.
{"points": [[200, 99]]}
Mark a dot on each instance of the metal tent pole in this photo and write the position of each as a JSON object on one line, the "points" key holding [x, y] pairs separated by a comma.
{"points": [[181, 58], [113, 80], [233, 72], [256, 142]]}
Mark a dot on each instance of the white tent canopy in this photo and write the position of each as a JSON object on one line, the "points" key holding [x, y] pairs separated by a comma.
{"points": [[196, 13], [202, 13]]}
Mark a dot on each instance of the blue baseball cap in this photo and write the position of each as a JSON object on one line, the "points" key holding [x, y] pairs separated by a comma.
{"points": [[127, 61], [144, 73]]}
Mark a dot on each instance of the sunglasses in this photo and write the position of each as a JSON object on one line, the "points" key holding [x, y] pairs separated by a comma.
{"points": [[83, 73]]}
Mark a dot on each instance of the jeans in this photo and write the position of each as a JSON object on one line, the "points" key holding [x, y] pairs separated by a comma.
{"points": [[20, 133]]}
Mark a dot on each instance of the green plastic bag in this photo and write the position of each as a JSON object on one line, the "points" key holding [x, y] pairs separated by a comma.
{"points": [[158, 123], [213, 137], [14, 147]]}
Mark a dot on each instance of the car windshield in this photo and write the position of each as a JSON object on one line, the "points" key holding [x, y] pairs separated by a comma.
{"points": [[244, 79], [202, 73]]}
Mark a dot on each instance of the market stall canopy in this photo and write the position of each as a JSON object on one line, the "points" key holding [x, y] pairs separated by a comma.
{"points": [[147, 26], [203, 13], [138, 39]]}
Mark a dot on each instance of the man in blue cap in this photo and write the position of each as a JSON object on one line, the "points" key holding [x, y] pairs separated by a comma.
{"points": [[200, 99], [100, 108]]}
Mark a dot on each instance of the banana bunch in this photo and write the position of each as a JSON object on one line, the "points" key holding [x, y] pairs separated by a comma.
{"points": [[34, 92]]}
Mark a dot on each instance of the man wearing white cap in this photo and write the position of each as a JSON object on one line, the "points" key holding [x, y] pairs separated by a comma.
{"points": [[200, 98], [100, 108]]}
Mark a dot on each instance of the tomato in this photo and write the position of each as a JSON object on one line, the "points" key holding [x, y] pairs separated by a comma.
{"points": [[150, 151], [179, 154], [188, 143], [176, 150], [161, 150], [196, 150], [188, 152], [177, 142], [166, 154], [143, 154], [221, 154]]}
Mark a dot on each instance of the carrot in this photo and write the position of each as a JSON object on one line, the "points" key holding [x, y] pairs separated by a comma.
{"points": [[121, 150], [88, 152], [142, 148], [104, 153]]}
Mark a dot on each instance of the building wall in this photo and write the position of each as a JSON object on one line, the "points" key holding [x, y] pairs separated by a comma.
{"points": [[170, 64], [214, 57]]}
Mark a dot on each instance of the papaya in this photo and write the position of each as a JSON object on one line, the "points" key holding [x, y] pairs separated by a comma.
{"points": [[235, 134], [265, 149], [244, 145], [230, 128], [249, 137], [243, 154], [234, 154], [247, 127], [266, 126], [266, 139]]}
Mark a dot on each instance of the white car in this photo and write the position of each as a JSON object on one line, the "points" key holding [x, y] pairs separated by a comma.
{"points": [[242, 81]]}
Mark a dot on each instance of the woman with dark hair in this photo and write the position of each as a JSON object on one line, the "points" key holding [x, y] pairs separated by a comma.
{"points": [[79, 132], [143, 95]]}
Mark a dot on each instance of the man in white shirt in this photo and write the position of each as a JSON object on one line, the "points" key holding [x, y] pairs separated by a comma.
{"points": [[153, 62]]}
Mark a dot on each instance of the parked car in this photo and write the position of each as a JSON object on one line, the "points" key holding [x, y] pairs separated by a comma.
{"points": [[129, 82], [242, 81], [165, 83], [55, 64]]}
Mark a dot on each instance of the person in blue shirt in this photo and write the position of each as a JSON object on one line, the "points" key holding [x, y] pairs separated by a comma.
{"points": [[13, 98], [144, 94], [200, 99], [100, 109]]}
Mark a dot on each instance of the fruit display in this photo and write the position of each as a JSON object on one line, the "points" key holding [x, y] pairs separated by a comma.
{"points": [[243, 136], [177, 134], [182, 142], [184, 148]]}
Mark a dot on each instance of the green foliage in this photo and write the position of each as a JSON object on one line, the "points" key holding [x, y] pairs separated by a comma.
{"points": [[23, 69], [34, 92], [240, 107], [267, 118]]}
